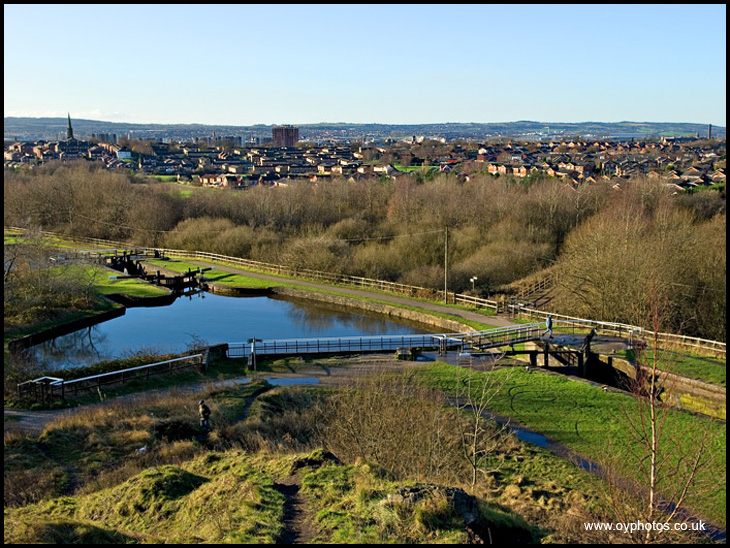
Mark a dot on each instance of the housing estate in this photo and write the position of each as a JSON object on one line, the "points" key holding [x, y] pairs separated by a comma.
{"points": [[230, 163]]}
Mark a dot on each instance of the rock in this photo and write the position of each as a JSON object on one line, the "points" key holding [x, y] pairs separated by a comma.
{"points": [[315, 459], [464, 504]]}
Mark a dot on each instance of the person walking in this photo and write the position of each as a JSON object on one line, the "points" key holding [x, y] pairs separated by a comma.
{"points": [[549, 325], [204, 415]]}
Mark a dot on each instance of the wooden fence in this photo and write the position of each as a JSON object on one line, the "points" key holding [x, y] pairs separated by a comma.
{"points": [[695, 344]]}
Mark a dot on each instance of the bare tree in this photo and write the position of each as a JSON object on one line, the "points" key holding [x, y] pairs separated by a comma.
{"points": [[476, 387], [392, 421], [670, 471]]}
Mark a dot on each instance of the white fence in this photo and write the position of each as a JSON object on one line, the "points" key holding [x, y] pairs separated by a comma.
{"points": [[46, 388], [624, 330], [680, 341]]}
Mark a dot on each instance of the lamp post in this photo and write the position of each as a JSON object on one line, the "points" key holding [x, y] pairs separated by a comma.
{"points": [[446, 265], [472, 280], [253, 342]]}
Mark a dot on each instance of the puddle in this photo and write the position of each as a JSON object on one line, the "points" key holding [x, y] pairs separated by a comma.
{"points": [[292, 381], [531, 437], [585, 464]]}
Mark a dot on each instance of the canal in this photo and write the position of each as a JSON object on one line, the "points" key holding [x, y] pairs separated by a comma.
{"points": [[205, 318]]}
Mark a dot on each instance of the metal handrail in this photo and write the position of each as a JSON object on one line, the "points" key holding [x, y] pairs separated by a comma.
{"points": [[58, 382]]}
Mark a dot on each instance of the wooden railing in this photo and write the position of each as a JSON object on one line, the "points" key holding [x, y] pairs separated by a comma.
{"points": [[679, 341], [546, 282]]}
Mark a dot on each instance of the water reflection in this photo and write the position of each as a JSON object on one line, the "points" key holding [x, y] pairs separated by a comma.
{"points": [[326, 318], [207, 318], [79, 347]]}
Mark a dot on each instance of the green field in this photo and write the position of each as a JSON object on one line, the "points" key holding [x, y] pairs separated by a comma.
{"points": [[106, 281], [591, 421], [703, 368]]}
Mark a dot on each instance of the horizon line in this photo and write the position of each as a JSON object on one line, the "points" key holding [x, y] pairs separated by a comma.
{"points": [[360, 123]]}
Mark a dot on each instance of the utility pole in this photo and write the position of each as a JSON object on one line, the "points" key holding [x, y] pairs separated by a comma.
{"points": [[446, 265]]}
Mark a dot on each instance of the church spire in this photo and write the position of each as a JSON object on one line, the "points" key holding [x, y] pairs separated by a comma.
{"points": [[69, 130]]}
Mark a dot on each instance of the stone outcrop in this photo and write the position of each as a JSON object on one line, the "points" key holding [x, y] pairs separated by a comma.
{"points": [[463, 504]]}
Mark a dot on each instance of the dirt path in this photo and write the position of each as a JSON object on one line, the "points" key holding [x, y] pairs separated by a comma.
{"points": [[299, 527], [33, 422]]}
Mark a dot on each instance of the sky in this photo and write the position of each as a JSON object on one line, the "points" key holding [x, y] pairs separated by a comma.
{"points": [[390, 64]]}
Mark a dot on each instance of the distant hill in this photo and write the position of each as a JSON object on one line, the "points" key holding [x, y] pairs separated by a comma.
{"points": [[32, 129]]}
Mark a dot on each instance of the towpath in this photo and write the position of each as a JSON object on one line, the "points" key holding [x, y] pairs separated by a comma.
{"points": [[496, 321]]}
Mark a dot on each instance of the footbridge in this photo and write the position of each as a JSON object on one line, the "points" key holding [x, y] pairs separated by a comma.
{"points": [[479, 340]]}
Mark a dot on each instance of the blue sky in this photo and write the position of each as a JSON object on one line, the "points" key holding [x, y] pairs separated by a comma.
{"points": [[396, 64]]}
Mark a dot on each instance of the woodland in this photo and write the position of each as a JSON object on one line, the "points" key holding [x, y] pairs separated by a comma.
{"points": [[607, 246]]}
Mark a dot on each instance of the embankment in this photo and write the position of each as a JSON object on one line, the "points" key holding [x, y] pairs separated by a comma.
{"points": [[425, 319], [64, 329]]}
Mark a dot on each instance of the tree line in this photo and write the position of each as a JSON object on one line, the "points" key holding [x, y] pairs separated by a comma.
{"points": [[602, 243]]}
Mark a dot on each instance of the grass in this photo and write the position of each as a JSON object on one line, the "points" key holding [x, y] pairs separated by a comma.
{"points": [[82, 480], [351, 505], [231, 497], [216, 276], [101, 278], [180, 491], [97, 445], [213, 498], [585, 418], [243, 281], [703, 368]]}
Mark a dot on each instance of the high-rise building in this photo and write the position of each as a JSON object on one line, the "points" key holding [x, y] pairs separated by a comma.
{"points": [[285, 136]]}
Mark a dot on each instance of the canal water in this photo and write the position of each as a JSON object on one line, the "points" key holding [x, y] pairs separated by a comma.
{"points": [[205, 318]]}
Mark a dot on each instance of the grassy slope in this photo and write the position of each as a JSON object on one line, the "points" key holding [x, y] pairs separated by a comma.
{"points": [[188, 491], [712, 370], [180, 491], [106, 282], [586, 418], [231, 497], [212, 498]]}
